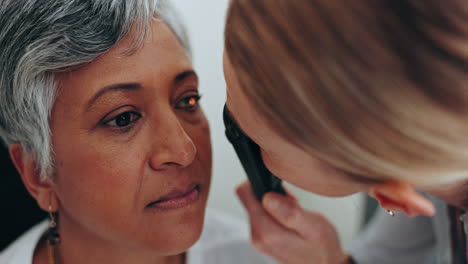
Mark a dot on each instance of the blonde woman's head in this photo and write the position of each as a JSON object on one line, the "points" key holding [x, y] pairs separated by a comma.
{"points": [[374, 91]]}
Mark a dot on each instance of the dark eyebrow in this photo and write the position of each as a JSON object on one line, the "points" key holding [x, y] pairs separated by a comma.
{"points": [[113, 87], [184, 75]]}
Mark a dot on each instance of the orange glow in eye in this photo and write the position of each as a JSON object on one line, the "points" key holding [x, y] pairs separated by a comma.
{"points": [[192, 101]]}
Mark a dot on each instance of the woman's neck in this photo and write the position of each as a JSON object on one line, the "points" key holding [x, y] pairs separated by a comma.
{"points": [[79, 246]]}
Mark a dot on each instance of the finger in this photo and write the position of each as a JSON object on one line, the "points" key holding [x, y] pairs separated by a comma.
{"points": [[257, 214], [289, 213], [284, 210], [245, 193], [272, 239], [267, 234]]}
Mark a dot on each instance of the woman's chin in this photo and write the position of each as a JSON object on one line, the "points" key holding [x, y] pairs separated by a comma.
{"points": [[179, 242], [178, 232]]}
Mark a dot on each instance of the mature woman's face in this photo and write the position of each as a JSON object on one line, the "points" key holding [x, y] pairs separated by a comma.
{"points": [[132, 148]]}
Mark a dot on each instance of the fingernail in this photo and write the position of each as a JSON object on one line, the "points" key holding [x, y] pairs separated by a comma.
{"points": [[277, 207], [274, 204]]}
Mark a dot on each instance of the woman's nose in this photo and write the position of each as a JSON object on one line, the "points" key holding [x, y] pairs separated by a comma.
{"points": [[172, 147]]}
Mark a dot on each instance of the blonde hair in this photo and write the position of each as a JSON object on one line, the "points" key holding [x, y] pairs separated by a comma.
{"points": [[376, 88]]}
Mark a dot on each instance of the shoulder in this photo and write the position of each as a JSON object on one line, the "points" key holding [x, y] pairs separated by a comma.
{"points": [[21, 250], [225, 239]]}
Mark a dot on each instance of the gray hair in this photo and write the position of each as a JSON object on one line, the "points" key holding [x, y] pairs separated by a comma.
{"points": [[39, 38]]}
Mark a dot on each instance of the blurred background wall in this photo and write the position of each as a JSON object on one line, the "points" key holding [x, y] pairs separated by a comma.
{"points": [[205, 22]]}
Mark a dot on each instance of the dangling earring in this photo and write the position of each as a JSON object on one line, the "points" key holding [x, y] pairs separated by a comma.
{"points": [[390, 212], [53, 238]]}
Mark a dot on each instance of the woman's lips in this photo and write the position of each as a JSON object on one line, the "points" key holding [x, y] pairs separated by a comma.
{"points": [[177, 198]]}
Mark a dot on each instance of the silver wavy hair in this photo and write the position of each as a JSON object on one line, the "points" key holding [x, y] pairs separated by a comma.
{"points": [[39, 38]]}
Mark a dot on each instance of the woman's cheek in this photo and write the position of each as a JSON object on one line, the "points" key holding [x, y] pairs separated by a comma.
{"points": [[273, 164]]}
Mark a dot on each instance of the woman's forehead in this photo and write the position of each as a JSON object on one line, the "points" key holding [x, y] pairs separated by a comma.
{"points": [[160, 58]]}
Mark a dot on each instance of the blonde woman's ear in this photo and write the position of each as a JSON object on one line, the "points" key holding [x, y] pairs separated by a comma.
{"points": [[397, 196], [40, 190]]}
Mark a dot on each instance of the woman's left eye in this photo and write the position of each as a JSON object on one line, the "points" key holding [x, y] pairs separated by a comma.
{"points": [[124, 120], [189, 103]]}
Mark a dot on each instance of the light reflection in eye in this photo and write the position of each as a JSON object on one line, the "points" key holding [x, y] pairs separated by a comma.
{"points": [[192, 101], [189, 103]]}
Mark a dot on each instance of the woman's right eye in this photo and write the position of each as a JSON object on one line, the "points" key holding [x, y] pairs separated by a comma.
{"points": [[123, 120]]}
